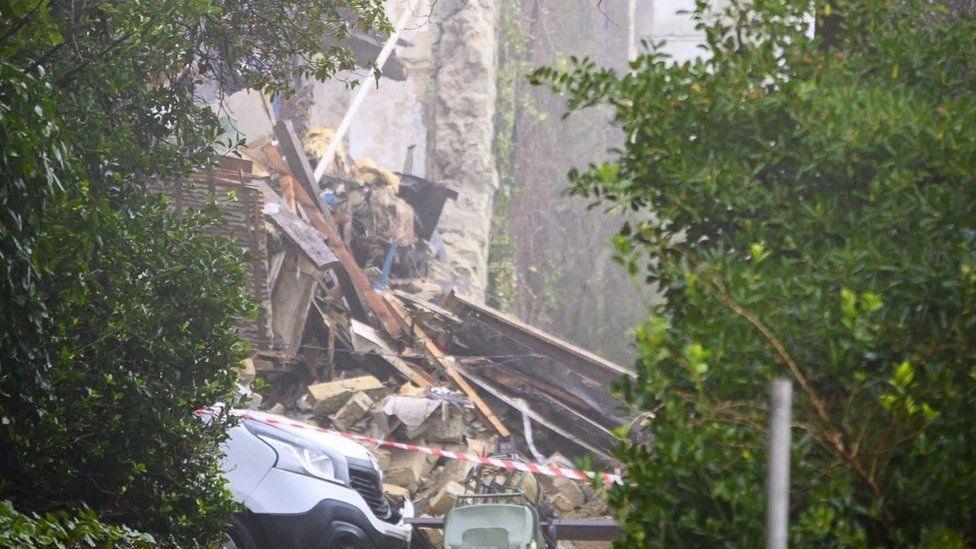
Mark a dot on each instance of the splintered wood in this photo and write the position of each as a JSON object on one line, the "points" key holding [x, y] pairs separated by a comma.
{"points": [[447, 363]]}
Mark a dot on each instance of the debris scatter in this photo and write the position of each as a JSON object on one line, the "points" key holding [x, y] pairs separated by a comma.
{"points": [[357, 332]]}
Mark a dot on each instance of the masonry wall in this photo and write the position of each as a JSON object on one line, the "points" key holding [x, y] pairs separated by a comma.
{"points": [[462, 133]]}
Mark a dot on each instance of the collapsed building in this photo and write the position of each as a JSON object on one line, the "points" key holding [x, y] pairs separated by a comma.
{"points": [[358, 331]]}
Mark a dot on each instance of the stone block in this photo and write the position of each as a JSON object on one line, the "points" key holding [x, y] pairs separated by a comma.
{"points": [[247, 373], [455, 470], [435, 536], [277, 409], [383, 458], [568, 494], [304, 403], [443, 500], [449, 429], [254, 401], [529, 485], [396, 491], [328, 397], [352, 411], [408, 469], [479, 446], [561, 503]]}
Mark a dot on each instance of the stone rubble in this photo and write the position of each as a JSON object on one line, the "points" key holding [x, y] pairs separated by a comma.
{"points": [[380, 354], [434, 483]]}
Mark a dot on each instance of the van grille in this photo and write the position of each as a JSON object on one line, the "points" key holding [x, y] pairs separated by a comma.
{"points": [[367, 483]]}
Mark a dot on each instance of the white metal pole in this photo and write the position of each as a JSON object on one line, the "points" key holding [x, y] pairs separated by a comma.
{"points": [[778, 472], [364, 87]]}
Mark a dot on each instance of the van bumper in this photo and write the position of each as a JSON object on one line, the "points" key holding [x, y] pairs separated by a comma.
{"points": [[330, 523], [291, 510]]}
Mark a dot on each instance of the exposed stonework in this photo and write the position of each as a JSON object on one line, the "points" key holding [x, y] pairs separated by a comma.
{"points": [[461, 132]]}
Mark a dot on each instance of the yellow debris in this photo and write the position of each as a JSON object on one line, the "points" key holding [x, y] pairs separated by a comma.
{"points": [[316, 140], [367, 172]]}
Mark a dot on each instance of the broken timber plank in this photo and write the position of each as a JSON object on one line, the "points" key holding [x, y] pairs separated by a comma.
{"points": [[291, 299], [580, 422], [295, 154], [502, 396], [377, 344], [447, 362], [327, 227], [543, 358], [304, 236], [288, 192], [427, 306], [581, 361]]}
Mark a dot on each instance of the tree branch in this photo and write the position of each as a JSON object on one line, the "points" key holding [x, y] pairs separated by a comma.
{"points": [[19, 24], [833, 435]]}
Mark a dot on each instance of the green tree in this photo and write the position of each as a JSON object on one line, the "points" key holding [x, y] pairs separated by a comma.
{"points": [[116, 316], [812, 213], [65, 529]]}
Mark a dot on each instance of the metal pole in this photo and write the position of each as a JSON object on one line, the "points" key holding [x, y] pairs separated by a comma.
{"points": [[778, 472], [364, 88]]}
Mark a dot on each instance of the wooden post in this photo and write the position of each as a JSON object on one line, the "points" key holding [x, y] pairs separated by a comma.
{"points": [[778, 468], [291, 146], [330, 350]]}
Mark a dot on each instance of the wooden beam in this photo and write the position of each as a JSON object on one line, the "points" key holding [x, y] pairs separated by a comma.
{"points": [[419, 378], [568, 355], [294, 153], [383, 349], [504, 397], [288, 192], [327, 227], [447, 363]]}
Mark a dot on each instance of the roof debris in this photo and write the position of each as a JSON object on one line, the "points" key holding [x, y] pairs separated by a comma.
{"points": [[357, 332]]}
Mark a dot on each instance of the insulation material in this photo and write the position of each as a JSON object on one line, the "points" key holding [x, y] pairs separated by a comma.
{"points": [[367, 172], [316, 141], [390, 216]]}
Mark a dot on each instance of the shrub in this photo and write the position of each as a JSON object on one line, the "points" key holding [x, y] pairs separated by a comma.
{"points": [[812, 214], [63, 529], [116, 318]]}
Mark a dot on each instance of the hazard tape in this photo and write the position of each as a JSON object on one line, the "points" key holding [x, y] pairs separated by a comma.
{"points": [[535, 468]]}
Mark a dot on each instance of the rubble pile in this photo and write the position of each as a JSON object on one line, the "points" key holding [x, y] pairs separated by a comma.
{"points": [[359, 333]]}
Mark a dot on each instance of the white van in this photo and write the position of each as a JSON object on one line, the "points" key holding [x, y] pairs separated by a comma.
{"points": [[306, 488]]}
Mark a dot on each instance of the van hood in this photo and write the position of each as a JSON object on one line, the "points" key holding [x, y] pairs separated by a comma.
{"points": [[314, 435]]}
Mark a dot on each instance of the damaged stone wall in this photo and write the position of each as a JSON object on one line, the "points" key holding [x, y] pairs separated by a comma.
{"points": [[462, 132]]}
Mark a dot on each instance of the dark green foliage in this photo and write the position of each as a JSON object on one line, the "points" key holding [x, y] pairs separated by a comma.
{"points": [[62, 529], [814, 217], [116, 317]]}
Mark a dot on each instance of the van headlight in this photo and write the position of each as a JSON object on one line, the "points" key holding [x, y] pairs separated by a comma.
{"points": [[301, 459]]}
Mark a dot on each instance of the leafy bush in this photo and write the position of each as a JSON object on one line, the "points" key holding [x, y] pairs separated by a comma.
{"points": [[63, 529], [814, 216], [119, 325], [115, 314]]}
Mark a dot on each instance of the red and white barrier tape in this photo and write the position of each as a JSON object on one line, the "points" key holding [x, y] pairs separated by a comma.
{"points": [[535, 468]]}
